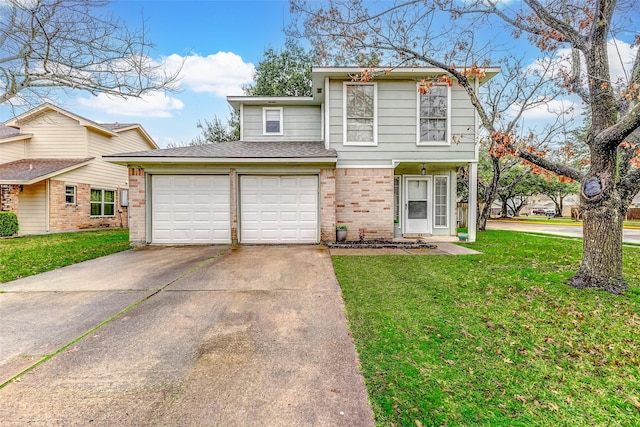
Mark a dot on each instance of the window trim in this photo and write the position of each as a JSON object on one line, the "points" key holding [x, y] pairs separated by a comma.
{"points": [[75, 195], [102, 203], [447, 138], [345, 141], [435, 201], [264, 120]]}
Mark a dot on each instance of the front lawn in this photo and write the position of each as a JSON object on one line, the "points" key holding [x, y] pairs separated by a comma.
{"points": [[26, 256], [496, 339]]}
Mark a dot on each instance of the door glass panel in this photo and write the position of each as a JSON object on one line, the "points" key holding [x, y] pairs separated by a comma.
{"points": [[417, 210], [417, 190]]}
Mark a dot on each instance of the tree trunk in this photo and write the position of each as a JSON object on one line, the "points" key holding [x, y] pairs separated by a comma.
{"points": [[601, 265], [483, 216]]}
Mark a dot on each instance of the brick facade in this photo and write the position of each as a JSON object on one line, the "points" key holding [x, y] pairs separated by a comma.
{"points": [[364, 202], [70, 217], [327, 205], [233, 209], [137, 207], [9, 194]]}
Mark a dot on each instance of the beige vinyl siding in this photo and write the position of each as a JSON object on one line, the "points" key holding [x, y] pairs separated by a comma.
{"points": [[12, 151], [397, 126], [32, 209], [55, 136], [300, 123], [102, 174]]}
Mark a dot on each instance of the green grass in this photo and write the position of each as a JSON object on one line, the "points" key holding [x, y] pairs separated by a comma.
{"points": [[496, 339], [26, 256]]}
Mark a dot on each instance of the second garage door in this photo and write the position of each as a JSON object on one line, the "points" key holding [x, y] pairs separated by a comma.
{"points": [[279, 209]]}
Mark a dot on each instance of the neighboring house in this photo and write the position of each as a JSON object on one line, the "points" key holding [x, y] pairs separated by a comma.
{"points": [[52, 174], [359, 154]]}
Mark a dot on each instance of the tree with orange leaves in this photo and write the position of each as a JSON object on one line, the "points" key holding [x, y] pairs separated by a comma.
{"points": [[441, 33]]}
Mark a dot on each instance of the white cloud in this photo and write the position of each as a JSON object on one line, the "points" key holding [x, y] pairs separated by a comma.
{"points": [[552, 109], [619, 53], [155, 104], [221, 74]]}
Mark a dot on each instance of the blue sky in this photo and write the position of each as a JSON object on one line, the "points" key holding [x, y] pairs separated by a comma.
{"points": [[219, 42]]}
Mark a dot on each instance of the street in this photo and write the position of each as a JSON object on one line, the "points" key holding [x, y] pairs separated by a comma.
{"points": [[629, 235]]}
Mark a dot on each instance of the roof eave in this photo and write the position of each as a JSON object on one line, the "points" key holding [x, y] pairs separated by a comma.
{"points": [[47, 176], [220, 160]]}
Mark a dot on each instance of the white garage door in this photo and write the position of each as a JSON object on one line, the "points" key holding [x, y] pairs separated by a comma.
{"points": [[279, 209], [188, 209]]}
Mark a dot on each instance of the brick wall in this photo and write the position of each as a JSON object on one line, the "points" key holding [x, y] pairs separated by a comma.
{"points": [[9, 194], [364, 202], [70, 217], [234, 203], [327, 205], [137, 207]]}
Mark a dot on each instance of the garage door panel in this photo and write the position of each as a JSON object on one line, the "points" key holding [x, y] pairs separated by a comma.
{"points": [[279, 209], [190, 209]]}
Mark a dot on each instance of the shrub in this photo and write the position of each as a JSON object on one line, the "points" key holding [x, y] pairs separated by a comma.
{"points": [[8, 224]]}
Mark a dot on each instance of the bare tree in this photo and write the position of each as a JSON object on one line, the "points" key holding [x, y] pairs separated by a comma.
{"points": [[441, 33], [73, 44]]}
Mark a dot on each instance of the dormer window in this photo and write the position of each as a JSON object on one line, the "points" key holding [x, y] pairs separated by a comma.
{"points": [[272, 120], [433, 116]]}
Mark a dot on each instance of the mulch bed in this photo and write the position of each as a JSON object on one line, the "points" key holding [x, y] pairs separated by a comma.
{"points": [[358, 244]]}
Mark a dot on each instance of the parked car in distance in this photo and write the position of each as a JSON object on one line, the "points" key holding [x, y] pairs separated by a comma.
{"points": [[540, 211]]}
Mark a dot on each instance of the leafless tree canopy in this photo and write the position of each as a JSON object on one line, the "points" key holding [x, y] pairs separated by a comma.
{"points": [[73, 44]]}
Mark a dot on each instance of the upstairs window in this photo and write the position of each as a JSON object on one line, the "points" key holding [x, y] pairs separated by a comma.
{"points": [[103, 202], [360, 120], [433, 116], [272, 121]]}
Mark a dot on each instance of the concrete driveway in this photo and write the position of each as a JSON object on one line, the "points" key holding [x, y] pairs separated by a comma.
{"points": [[205, 335]]}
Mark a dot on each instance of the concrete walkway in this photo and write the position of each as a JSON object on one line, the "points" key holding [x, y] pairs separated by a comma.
{"points": [[193, 336]]}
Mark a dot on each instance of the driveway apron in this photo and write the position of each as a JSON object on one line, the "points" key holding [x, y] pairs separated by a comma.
{"points": [[254, 335]]}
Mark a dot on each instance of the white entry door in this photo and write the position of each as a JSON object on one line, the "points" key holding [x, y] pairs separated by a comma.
{"points": [[418, 205]]}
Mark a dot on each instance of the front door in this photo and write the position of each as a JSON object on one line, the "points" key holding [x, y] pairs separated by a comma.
{"points": [[417, 206]]}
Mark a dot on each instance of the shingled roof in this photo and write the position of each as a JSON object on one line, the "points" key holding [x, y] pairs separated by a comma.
{"points": [[29, 171], [241, 150]]}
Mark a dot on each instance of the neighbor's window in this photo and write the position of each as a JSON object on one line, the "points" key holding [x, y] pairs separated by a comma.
{"points": [[360, 119], [103, 202], [70, 194], [433, 119], [272, 119], [441, 192]]}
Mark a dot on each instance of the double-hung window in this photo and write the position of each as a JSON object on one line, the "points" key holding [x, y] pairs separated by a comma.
{"points": [[272, 121], [103, 202], [433, 115], [70, 194], [360, 114]]}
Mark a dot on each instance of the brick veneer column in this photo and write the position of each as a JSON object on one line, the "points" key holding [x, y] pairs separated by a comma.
{"points": [[9, 194], [137, 207], [233, 199], [327, 205], [364, 202]]}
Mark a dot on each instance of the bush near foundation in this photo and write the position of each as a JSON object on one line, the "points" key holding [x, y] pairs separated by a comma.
{"points": [[8, 224]]}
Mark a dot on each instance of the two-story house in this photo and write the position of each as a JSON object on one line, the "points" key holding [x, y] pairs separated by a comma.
{"points": [[379, 157], [52, 174]]}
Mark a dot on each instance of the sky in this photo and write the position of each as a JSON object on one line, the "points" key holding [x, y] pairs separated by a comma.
{"points": [[219, 41]]}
